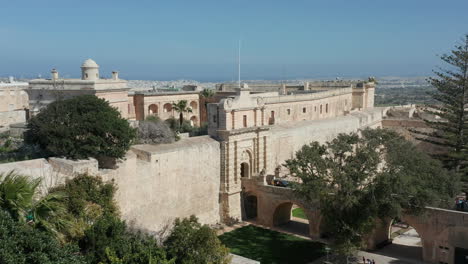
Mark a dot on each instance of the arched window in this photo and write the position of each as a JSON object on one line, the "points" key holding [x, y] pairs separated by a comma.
{"points": [[194, 106], [167, 108], [153, 109]]}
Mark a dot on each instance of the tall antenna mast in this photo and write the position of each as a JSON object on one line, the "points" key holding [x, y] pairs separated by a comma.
{"points": [[238, 66]]}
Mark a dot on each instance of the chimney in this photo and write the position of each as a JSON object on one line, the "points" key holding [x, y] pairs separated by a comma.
{"points": [[115, 75], [55, 75]]}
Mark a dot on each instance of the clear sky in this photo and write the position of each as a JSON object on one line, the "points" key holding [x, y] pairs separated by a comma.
{"points": [[197, 39]]}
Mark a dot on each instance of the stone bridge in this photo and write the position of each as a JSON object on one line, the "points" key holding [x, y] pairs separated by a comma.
{"points": [[443, 233]]}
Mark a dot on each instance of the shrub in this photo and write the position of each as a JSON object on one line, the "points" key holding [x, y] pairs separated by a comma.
{"points": [[81, 127], [20, 243], [109, 240], [191, 242], [87, 198], [154, 132]]}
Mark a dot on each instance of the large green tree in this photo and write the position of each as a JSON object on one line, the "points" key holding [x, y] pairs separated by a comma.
{"points": [[451, 97], [81, 127], [358, 179]]}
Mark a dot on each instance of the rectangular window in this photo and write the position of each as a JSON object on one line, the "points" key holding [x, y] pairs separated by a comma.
{"points": [[245, 121], [320, 109], [315, 108], [272, 114], [304, 110], [326, 108], [214, 118], [289, 111]]}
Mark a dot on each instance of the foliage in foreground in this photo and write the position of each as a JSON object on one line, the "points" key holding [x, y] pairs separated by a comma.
{"points": [[82, 211], [23, 244], [268, 246], [20, 197], [86, 199], [110, 241], [81, 127], [191, 242], [360, 179]]}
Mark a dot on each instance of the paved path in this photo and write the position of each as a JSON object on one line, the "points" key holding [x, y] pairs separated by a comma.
{"points": [[405, 249]]}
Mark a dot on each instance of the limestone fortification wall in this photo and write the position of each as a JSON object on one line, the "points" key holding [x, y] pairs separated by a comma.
{"points": [[286, 139], [157, 183]]}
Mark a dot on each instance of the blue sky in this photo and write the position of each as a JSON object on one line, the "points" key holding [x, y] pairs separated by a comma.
{"points": [[197, 39]]}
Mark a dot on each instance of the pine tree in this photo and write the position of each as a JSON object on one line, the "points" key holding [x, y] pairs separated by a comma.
{"points": [[451, 94]]}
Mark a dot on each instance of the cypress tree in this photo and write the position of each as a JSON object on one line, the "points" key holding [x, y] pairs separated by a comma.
{"points": [[451, 95]]}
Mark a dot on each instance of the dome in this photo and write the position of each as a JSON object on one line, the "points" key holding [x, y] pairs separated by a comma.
{"points": [[89, 63]]}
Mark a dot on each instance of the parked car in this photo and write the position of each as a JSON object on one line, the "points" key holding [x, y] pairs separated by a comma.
{"points": [[280, 183]]}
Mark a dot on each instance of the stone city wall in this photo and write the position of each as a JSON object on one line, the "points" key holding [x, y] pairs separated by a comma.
{"points": [[157, 183], [285, 140]]}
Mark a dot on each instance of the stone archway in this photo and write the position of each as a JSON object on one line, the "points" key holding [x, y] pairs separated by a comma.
{"points": [[167, 108], [283, 218], [153, 109], [407, 240]]}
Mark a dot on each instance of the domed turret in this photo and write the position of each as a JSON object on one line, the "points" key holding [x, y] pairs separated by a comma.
{"points": [[89, 70]]}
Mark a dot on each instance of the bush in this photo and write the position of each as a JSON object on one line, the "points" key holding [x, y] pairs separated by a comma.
{"points": [[174, 124], [81, 127], [20, 243], [110, 241], [154, 132], [87, 198], [191, 242]]}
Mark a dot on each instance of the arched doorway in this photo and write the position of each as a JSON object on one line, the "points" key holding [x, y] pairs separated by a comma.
{"points": [[291, 218], [245, 170], [153, 109], [250, 207]]}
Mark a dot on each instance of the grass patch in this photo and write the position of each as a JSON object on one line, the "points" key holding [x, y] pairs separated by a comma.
{"points": [[269, 246], [299, 213]]}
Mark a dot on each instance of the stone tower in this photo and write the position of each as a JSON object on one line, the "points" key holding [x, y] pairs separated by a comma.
{"points": [[240, 125], [89, 70]]}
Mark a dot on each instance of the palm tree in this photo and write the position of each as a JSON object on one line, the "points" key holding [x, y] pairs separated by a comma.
{"points": [[16, 194], [19, 196], [181, 107]]}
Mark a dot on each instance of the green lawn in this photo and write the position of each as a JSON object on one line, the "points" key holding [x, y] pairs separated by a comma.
{"points": [[271, 247], [299, 213]]}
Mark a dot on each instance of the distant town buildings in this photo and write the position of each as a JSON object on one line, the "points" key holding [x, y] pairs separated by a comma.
{"points": [[131, 105], [13, 103]]}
